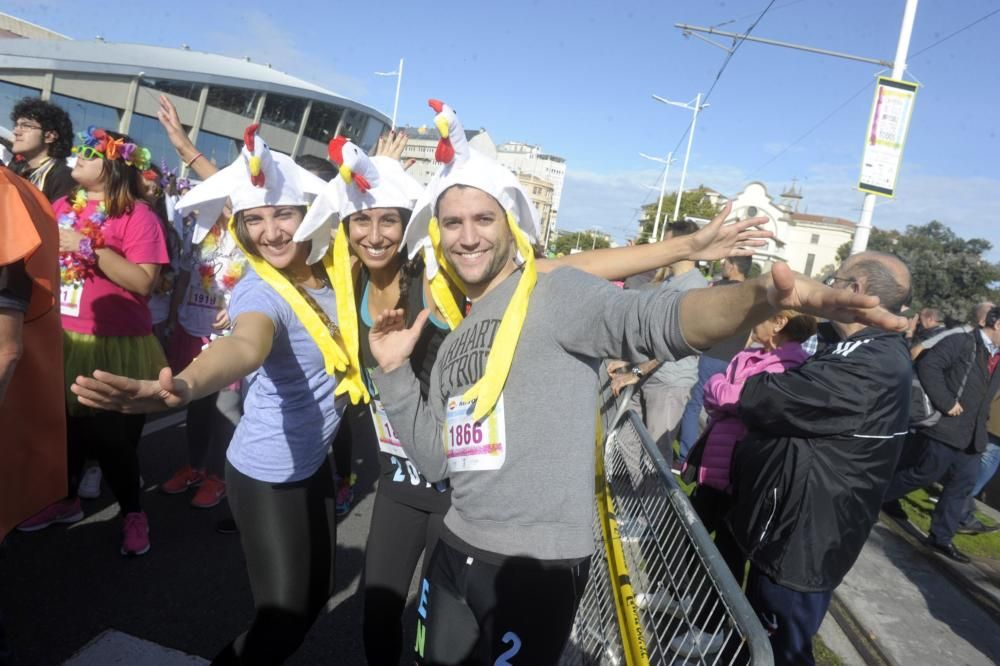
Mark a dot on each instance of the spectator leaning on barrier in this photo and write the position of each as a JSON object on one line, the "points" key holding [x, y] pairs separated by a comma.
{"points": [[43, 137], [953, 445], [822, 445]]}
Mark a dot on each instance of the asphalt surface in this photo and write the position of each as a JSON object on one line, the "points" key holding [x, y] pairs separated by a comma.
{"points": [[63, 586]]}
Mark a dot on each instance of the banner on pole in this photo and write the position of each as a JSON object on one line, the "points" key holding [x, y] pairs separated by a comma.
{"points": [[887, 128]]}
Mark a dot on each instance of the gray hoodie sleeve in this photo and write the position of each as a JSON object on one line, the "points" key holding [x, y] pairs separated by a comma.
{"points": [[603, 321], [414, 419]]}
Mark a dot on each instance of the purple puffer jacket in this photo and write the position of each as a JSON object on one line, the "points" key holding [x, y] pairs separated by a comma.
{"points": [[722, 397]]}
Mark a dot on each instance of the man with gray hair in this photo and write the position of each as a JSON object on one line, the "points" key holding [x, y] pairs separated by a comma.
{"points": [[976, 320], [821, 448]]}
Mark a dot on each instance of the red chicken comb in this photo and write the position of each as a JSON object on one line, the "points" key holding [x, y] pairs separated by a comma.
{"points": [[336, 149], [248, 135], [436, 104]]}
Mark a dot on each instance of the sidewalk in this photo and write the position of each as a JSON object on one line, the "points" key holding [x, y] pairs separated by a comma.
{"points": [[912, 610]]}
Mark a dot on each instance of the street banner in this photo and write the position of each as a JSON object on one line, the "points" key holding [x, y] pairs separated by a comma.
{"points": [[887, 127]]}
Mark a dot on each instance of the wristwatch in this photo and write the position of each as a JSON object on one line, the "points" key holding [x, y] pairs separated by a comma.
{"points": [[638, 372]]}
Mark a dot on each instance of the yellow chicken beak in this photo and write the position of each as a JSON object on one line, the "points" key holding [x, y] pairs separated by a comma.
{"points": [[442, 124], [345, 173], [254, 166]]}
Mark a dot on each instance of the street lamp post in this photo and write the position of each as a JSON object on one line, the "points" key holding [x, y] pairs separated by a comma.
{"points": [[663, 186], [694, 107], [399, 80]]}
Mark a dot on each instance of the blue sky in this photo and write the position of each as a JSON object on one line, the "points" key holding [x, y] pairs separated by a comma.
{"points": [[577, 78]]}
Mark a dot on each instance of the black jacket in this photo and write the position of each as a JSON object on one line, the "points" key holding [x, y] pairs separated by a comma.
{"points": [[941, 369], [822, 445]]}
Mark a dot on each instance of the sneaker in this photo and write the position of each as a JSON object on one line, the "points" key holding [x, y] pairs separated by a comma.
{"points": [[64, 511], [135, 534], [696, 643], [210, 493], [345, 497], [185, 477], [976, 526], [661, 601], [90, 483]]}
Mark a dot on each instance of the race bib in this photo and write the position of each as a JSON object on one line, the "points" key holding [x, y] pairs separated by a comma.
{"points": [[199, 299], [70, 297], [387, 439], [473, 446]]}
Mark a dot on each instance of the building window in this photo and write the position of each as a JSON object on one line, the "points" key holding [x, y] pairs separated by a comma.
{"points": [[810, 260], [814, 240], [373, 130], [240, 101], [353, 125], [84, 113], [180, 88], [148, 132], [323, 120], [11, 94], [284, 112], [219, 150]]}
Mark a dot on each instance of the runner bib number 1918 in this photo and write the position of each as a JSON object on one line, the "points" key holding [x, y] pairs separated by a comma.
{"points": [[474, 445]]}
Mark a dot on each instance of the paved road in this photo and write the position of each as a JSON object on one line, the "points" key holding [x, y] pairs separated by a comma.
{"points": [[63, 587]]}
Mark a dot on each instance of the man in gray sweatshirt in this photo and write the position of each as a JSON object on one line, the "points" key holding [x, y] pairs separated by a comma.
{"points": [[511, 566]]}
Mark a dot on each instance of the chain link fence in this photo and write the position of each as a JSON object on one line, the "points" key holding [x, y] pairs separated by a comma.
{"points": [[659, 592]]}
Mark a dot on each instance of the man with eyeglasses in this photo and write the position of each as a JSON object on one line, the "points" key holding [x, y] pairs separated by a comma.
{"points": [[43, 137]]}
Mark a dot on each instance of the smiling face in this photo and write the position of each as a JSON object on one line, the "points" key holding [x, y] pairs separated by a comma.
{"points": [[89, 172], [375, 235], [475, 238], [269, 230]]}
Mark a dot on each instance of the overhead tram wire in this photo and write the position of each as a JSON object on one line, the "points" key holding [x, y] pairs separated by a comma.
{"points": [[868, 85], [718, 75]]}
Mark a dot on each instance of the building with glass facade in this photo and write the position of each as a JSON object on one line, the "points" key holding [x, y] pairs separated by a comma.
{"points": [[117, 86]]}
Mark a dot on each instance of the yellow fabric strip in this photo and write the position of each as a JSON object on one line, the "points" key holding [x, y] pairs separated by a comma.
{"points": [[440, 289], [487, 390], [338, 270], [335, 357]]}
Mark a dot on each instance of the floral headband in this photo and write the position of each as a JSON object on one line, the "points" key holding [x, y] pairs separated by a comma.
{"points": [[98, 143]]}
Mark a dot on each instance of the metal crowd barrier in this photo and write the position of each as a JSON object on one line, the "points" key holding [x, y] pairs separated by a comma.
{"points": [[659, 592]]}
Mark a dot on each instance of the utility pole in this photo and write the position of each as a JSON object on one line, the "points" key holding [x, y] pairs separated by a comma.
{"points": [[399, 80], [694, 107], [663, 186], [864, 229]]}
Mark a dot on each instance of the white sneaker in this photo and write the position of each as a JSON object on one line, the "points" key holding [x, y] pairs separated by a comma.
{"points": [[696, 643], [661, 601], [90, 483]]}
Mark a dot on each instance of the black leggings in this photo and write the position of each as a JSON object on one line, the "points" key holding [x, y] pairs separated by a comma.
{"points": [[473, 613], [396, 538], [289, 537], [211, 422], [113, 439]]}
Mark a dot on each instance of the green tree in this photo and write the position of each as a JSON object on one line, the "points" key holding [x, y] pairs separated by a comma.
{"points": [[949, 272], [583, 240], [694, 203]]}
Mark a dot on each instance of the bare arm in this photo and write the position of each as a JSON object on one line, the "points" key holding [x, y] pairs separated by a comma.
{"points": [[716, 240], [711, 315], [11, 327], [225, 361], [179, 139]]}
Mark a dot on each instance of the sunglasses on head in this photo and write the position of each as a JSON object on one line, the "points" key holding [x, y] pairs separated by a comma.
{"points": [[87, 153]]}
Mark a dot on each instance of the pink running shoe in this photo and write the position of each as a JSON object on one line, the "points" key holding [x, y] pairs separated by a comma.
{"points": [[185, 477], [135, 534], [210, 493], [63, 511]]}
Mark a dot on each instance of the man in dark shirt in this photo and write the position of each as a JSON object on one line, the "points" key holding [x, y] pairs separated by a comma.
{"points": [[43, 137]]}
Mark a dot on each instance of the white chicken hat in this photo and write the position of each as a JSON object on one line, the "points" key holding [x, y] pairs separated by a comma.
{"points": [[364, 183], [465, 166], [258, 177]]}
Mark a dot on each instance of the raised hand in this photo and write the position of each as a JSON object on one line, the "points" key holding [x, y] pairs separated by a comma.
{"points": [[718, 240], [790, 290], [392, 144], [131, 396], [391, 342]]}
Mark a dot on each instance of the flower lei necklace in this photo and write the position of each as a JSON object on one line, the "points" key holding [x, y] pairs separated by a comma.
{"points": [[211, 280], [77, 266]]}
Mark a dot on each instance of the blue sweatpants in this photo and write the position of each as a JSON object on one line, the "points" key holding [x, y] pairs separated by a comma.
{"points": [[791, 618]]}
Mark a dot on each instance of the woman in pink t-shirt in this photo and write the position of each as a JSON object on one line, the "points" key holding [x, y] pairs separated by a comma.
{"points": [[111, 249]]}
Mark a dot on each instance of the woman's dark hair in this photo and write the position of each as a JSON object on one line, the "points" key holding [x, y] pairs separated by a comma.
{"points": [[243, 234], [317, 166], [52, 119], [159, 206], [410, 270], [122, 183]]}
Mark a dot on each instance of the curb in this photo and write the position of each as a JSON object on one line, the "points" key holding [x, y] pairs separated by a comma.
{"points": [[865, 643]]}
